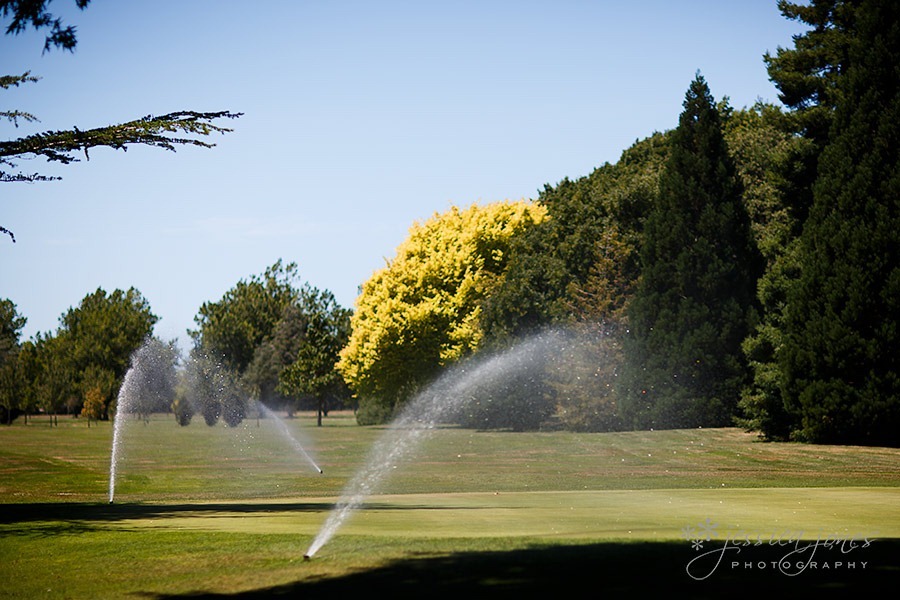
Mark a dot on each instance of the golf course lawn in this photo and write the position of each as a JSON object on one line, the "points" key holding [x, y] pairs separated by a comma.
{"points": [[201, 511]]}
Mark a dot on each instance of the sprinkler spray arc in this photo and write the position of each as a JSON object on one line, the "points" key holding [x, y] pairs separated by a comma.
{"points": [[440, 402]]}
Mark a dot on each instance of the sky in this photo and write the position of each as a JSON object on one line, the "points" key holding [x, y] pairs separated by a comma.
{"points": [[359, 119]]}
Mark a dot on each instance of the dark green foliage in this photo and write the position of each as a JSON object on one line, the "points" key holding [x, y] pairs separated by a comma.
{"points": [[841, 351], [521, 399], [209, 390], [585, 381], [105, 329], [100, 335], [34, 13], [246, 316], [693, 305], [771, 160], [60, 146], [273, 355], [806, 74], [552, 264], [312, 371], [11, 376], [267, 327], [166, 131], [153, 377], [90, 353]]}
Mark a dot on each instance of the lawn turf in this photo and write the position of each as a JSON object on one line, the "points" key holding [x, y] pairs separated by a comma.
{"points": [[224, 511]]}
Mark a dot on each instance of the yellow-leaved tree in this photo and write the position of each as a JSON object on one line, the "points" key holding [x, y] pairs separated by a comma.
{"points": [[421, 312]]}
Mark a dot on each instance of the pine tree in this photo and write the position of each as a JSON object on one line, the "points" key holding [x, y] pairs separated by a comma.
{"points": [[694, 303], [841, 357]]}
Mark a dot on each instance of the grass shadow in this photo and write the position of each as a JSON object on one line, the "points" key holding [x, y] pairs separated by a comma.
{"points": [[86, 511], [609, 569]]}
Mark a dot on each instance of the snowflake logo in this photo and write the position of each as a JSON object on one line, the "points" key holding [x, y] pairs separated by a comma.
{"points": [[707, 528], [702, 532]]}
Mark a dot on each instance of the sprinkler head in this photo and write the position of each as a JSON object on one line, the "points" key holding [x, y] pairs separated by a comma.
{"points": [[306, 557], [321, 472], [110, 501]]}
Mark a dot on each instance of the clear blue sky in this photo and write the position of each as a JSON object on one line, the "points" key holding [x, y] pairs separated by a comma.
{"points": [[360, 118]]}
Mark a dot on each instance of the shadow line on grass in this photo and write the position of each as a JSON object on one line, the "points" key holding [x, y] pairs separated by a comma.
{"points": [[11, 514], [610, 569]]}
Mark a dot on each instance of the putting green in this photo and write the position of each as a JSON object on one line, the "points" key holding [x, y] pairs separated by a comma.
{"points": [[765, 513]]}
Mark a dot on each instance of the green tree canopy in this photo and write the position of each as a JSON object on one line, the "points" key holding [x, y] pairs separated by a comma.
{"points": [[313, 369], [553, 274], [246, 316], [264, 325], [842, 343], [35, 13], [11, 376], [99, 336], [693, 305]]}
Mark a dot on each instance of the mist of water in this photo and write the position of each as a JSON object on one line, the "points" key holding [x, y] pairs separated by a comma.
{"points": [[122, 407], [149, 385], [148, 382], [441, 402], [287, 435]]}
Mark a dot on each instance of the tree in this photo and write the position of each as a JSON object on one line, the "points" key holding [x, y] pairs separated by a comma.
{"points": [[98, 392], [422, 311], [11, 376], [547, 279], [770, 161], [273, 356], [693, 305], [261, 327], [841, 347], [313, 371], [34, 12], [101, 333], [166, 131], [50, 380], [246, 316], [806, 75], [586, 389]]}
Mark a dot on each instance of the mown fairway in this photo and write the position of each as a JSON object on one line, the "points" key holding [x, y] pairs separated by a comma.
{"points": [[222, 511]]}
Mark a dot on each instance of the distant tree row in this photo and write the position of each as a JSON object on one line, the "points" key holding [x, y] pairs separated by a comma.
{"points": [[265, 340], [81, 365]]}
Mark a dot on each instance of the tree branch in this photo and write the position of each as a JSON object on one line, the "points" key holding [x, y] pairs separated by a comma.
{"points": [[60, 146]]}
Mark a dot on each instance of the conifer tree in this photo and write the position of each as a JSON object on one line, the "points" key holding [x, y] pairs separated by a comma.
{"points": [[841, 357], [694, 303]]}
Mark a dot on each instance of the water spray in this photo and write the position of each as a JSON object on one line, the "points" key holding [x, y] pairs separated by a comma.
{"points": [[440, 402], [291, 438]]}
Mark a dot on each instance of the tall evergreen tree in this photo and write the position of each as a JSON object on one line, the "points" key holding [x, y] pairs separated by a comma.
{"points": [[694, 303], [806, 76], [841, 356]]}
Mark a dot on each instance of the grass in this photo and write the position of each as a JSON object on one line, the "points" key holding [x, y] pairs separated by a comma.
{"points": [[205, 511]]}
